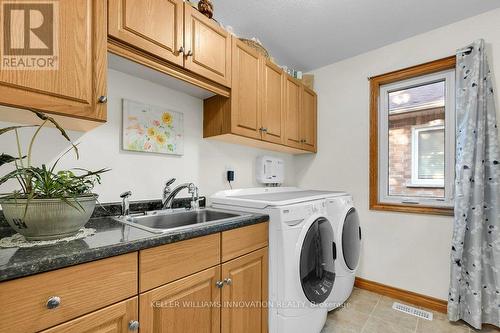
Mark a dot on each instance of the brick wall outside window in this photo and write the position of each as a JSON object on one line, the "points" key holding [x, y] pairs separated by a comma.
{"points": [[400, 151]]}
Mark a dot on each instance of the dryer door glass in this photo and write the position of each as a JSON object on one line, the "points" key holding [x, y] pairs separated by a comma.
{"points": [[317, 267], [351, 239]]}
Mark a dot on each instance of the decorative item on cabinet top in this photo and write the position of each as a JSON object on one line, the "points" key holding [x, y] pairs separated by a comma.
{"points": [[206, 7], [257, 45], [153, 129]]}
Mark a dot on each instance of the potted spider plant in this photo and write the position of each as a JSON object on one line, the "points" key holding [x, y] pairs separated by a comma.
{"points": [[48, 204]]}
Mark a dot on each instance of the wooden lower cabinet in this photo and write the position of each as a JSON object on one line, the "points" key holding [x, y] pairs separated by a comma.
{"points": [[112, 319], [244, 295], [80, 289], [183, 306], [211, 301], [227, 294]]}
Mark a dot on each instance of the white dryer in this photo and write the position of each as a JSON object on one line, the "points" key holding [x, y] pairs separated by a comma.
{"points": [[301, 263], [347, 229]]}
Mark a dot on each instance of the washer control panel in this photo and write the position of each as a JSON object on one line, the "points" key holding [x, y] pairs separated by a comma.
{"points": [[295, 214]]}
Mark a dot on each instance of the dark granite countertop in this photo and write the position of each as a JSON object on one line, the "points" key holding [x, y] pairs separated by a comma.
{"points": [[111, 238]]}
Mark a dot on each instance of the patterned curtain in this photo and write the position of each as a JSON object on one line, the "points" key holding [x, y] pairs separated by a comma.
{"points": [[475, 253]]}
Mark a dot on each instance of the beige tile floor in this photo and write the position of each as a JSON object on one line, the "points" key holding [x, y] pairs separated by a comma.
{"points": [[367, 312]]}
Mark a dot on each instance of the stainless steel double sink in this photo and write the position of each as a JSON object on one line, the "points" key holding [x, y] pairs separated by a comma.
{"points": [[163, 221]]}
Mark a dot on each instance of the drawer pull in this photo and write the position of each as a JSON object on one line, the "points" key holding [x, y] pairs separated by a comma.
{"points": [[219, 284], [133, 325], [228, 281], [53, 302]]}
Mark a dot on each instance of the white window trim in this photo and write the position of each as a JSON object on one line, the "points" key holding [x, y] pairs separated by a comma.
{"points": [[448, 77], [415, 181]]}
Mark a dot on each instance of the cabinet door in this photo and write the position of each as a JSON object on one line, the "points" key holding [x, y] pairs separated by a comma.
{"points": [[292, 112], [273, 121], [248, 287], [308, 120], [73, 75], [207, 47], [154, 26], [186, 305], [112, 319], [245, 92]]}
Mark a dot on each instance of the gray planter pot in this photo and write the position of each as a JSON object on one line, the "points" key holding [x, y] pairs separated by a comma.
{"points": [[47, 219]]}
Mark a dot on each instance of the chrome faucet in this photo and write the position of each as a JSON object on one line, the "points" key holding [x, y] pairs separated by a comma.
{"points": [[125, 202], [166, 191], [169, 195]]}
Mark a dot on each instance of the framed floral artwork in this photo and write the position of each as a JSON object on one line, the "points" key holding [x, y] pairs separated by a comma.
{"points": [[152, 129]]}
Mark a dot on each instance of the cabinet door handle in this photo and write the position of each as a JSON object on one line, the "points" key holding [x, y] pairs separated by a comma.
{"points": [[189, 54], [102, 99], [133, 325], [228, 281], [181, 50], [53, 302], [219, 284]]}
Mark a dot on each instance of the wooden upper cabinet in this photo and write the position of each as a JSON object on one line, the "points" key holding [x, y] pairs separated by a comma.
{"points": [[292, 112], [183, 305], [308, 120], [248, 284], [273, 115], [74, 84], [154, 26], [245, 91], [113, 319], [207, 47]]}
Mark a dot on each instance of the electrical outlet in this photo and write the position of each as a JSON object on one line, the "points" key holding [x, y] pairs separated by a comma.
{"points": [[230, 176]]}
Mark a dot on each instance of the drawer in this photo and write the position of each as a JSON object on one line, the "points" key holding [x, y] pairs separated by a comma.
{"points": [[238, 242], [112, 319], [166, 263], [81, 289]]}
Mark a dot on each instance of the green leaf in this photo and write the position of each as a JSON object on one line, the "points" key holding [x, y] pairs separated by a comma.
{"points": [[43, 116], [4, 159], [11, 175], [11, 128]]}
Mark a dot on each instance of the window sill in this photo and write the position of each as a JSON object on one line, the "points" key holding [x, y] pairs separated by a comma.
{"points": [[414, 185], [415, 209]]}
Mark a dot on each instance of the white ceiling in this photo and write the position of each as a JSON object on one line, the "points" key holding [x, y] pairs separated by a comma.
{"points": [[308, 34]]}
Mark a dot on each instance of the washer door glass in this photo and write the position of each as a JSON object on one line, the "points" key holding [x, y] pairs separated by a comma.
{"points": [[351, 239], [317, 267]]}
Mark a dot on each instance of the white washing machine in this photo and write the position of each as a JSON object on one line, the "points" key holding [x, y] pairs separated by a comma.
{"points": [[301, 252], [347, 229]]}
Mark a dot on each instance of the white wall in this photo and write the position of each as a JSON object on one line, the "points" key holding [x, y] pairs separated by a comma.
{"points": [[204, 161], [408, 251]]}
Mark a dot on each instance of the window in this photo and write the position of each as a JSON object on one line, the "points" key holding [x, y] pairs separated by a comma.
{"points": [[427, 156], [412, 139]]}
